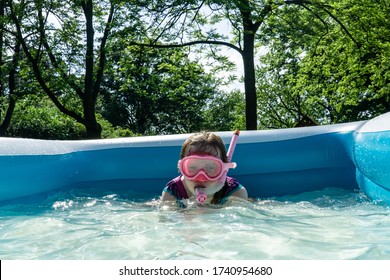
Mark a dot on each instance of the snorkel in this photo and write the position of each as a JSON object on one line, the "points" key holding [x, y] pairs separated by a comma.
{"points": [[232, 145], [201, 197]]}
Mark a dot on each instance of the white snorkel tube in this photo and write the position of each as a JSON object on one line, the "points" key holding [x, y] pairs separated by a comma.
{"points": [[201, 197]]}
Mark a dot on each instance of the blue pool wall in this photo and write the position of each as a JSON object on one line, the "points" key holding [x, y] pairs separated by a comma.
{"points": [[269, 163]]}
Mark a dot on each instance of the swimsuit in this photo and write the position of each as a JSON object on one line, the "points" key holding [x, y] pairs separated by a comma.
{"points": [[176, 188]]}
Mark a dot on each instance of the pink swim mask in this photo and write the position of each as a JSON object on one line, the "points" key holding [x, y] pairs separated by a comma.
{"points": [[204, 167]]}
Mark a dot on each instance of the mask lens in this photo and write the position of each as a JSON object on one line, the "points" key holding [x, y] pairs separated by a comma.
{"points": [[192, 166]]}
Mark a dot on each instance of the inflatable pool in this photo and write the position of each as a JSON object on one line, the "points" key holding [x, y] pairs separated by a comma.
{"points": [[270, 162]]}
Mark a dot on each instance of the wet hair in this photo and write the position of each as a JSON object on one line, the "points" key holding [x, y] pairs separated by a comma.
{"points": [[207, 142]]}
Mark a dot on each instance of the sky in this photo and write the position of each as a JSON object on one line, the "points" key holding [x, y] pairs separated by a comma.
{"points": [[225, 28]]}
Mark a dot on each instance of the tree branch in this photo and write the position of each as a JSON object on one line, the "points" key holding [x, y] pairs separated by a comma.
{"points": [[199, 42], [37, 71], [102, 58], [52, 58], [324, 7]]}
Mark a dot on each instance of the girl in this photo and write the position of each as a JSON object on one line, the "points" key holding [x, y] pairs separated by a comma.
{"points": [[203, 165]]}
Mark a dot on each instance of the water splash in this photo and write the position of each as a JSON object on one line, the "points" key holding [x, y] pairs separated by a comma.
{"points": [[96, 224]]}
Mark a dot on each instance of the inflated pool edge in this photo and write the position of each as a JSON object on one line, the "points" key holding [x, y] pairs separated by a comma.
{"points": [[270, 162], [372, 158]]}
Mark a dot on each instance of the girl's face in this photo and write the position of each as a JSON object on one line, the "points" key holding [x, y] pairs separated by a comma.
{"points": [[208, 187]]}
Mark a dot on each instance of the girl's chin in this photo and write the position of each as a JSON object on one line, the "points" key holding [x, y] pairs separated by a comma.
{"points": [[207, 188]]}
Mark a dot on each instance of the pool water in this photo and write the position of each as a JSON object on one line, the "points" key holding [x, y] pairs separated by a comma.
{"points": [[112, 225]]}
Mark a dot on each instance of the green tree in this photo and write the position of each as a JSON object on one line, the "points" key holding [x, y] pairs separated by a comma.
{"points": [[333, 73], [9, 60], [155, 91], [65, 43], [35, 116], [186, 23], [226, 111], [358, 70]]}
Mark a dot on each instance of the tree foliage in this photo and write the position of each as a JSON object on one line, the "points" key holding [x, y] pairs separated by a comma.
{"points": [[326, 60], [188, 23], [35, 116], [316, 68], [158, 92], [68, 59]]}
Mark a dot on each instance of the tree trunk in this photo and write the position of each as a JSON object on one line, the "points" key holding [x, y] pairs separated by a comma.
{"points": [[8, 115], [11, 86], [250, 29], [93, 128], [250, 81]]}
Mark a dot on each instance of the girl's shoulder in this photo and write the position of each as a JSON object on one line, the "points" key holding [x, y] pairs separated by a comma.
{"points": [[233, 183], [175, 187], [235, 189]]}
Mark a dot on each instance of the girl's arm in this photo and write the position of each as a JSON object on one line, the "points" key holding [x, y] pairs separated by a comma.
{"points": [[241, 193], [166, 196]]}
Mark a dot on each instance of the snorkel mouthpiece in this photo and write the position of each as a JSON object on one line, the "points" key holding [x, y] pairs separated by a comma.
{"points": [[201, 197]]}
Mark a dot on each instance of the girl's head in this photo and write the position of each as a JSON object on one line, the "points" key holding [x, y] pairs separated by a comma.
{"points": [[204, 143]]}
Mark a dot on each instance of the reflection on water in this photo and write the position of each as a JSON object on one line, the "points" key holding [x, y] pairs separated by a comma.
{"points": [[87, 224]]}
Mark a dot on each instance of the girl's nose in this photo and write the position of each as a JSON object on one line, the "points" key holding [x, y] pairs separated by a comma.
{"points": [[201, 178]]}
